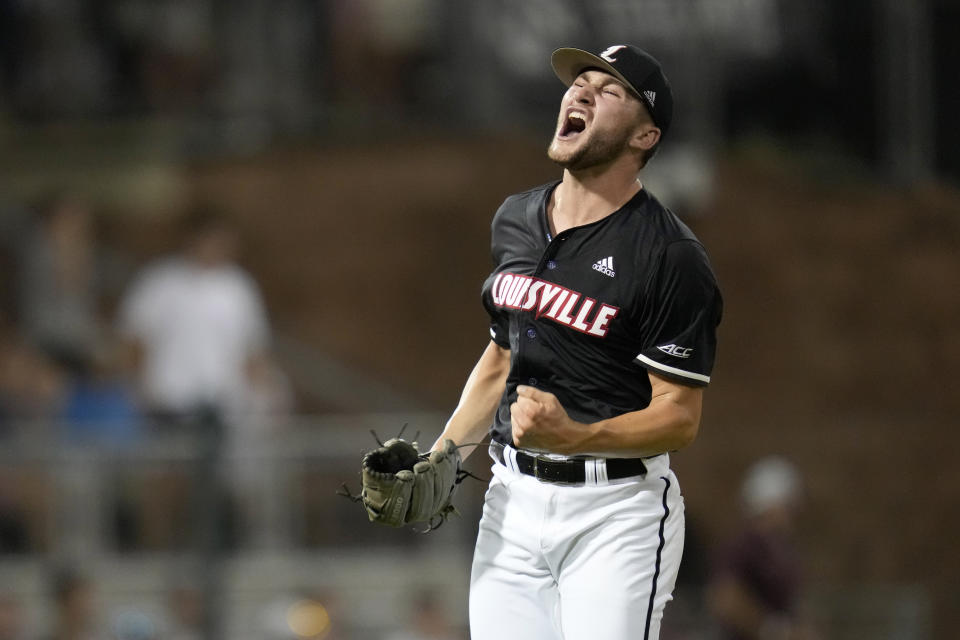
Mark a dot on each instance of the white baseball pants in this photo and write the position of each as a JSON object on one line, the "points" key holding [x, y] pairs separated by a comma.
{"points": [[558, 562]]}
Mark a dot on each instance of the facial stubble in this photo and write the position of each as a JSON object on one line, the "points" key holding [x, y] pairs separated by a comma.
{"points": [[600, 147]]}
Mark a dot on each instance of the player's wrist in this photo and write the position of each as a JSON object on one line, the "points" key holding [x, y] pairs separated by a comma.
{"points": [[580, 439]]}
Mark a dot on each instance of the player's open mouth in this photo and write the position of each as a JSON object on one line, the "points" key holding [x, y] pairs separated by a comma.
{"points": [[572, 125]]}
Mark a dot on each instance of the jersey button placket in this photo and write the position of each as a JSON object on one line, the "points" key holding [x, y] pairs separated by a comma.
{"points": [[531, 331]]}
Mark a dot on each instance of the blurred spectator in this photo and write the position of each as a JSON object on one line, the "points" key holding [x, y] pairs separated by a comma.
{"points": [[101, 411], [32, 386], [64, 366], [75, 616], [197, 335], [197, 330], [58, 283], [134, 624], [31, 391], [755, 590], [11, 618], [14, 536], [100, 406], [430, 620], [186, 611]]}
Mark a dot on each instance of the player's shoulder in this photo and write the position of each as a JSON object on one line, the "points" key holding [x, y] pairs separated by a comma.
{"points": [[519, 219], [521, 206], [662, 239], [540, 191], [667, 225]]}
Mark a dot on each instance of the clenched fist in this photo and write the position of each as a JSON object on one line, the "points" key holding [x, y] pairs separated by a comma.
{"points": [[541, 423]]}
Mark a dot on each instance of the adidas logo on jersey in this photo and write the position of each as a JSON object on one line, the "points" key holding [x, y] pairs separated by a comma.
{"points": [[605, 267]]}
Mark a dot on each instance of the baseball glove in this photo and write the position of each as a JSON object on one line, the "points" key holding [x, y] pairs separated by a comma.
{"points": [[403, 486]]}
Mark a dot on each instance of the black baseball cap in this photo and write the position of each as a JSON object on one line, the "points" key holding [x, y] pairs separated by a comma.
{"points": [[632, 66]]}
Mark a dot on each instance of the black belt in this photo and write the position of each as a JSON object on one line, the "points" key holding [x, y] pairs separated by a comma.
{"points": [[568, 471]]}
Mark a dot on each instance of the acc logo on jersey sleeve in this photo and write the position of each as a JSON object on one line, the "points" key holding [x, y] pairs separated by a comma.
{"points": [[676, 351]]}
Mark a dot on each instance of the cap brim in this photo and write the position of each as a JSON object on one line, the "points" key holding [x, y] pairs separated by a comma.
{"points": [[568, 63]]}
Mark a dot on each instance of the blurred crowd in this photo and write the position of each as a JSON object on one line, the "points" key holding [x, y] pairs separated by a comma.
{"points": [[241, 72], [102, 347], [107, 350], [76, 614]]}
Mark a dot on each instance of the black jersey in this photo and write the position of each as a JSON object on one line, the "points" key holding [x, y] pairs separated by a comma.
{"points": [[587, 313]]}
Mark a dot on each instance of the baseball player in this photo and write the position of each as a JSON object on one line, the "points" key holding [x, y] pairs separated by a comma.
{"points": [[603, 310]]}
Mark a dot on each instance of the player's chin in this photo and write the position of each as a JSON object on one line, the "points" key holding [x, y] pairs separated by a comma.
{"points": [[563, 151]]}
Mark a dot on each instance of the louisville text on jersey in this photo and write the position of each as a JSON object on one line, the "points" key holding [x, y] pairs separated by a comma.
{"points": [[552, 301]]}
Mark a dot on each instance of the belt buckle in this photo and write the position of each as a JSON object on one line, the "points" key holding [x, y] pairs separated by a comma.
{"points": [[543, 476], [540, 474]]}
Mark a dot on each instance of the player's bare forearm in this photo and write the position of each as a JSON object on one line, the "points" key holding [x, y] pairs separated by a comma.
{"points": [[479, 400], [670, 422]]}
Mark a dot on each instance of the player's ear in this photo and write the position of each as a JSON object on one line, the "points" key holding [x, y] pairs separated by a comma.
{"points": [[645, 137]]}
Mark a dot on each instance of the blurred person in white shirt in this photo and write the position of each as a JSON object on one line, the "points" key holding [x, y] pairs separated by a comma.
{"points": [[198, 331], [197, 337]]}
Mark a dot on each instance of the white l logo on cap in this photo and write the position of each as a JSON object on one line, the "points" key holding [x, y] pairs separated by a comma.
{"points": [[608, 53]]}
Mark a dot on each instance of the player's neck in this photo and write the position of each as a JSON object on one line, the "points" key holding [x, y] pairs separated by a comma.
{"points": [[585, 197]]}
